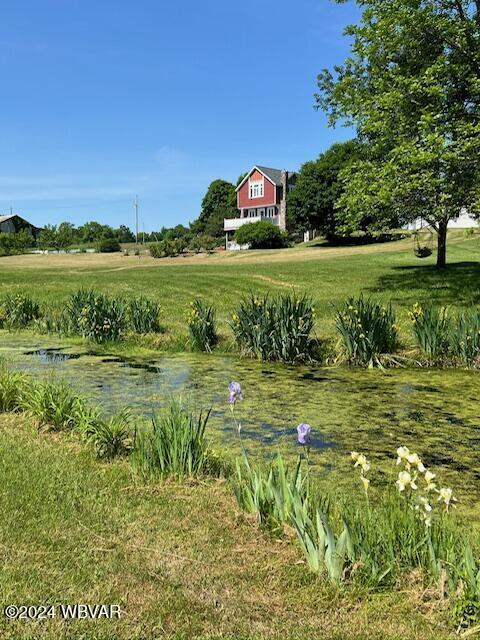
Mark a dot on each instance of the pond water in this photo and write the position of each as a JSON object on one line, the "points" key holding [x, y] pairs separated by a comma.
{"points": [[434, 412]]}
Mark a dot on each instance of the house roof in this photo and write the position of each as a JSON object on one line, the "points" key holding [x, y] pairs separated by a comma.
{"points": [[274, 175], [16, 215], [5, 218]]}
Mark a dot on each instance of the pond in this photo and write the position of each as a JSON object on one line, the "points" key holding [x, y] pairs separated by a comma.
{"points": [[434, 412]]}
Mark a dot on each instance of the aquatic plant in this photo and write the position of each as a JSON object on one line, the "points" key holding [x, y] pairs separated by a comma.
{"points": [[96, 316], [202, 323], [464, 340], [432, 329], [367, 330], [18, 310], [173, 444], [275, 329], [144, 315]]}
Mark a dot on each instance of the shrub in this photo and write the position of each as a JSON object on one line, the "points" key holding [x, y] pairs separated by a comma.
{"points": [[109, 245], [144, 315], [274, 329], [196, 244], [201, 320], [367, 330], [202, 243], [432, 329], [261, 235], [174, 444], [96, 316], [168, 248], [155, 250], [465, 337], [18, 310]]}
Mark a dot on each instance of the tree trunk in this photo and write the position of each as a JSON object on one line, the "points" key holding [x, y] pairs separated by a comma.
{"points": [[442, 244]]}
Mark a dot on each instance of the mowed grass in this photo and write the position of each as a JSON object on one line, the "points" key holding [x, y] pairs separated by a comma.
{"points": [[389, 271], [178, 558]]}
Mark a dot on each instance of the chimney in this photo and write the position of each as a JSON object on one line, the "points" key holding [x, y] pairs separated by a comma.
{"points": [[282, 219]]}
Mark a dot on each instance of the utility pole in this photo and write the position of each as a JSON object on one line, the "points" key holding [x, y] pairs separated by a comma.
{"points": [[136, 220]]}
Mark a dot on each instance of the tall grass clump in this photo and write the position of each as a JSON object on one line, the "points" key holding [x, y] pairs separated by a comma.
{"points": [[173, 444], [432, 330], [367, 330], [202, 323], [112, 437], [18, 310], [12, 389], [144, 315], [465, 338], [275, 329], [268, 492], [96, 316], [53, 405], [53, 319]]}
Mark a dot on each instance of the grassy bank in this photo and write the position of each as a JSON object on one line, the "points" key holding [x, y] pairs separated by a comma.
{"points": [[179, 558], [388, 271]]}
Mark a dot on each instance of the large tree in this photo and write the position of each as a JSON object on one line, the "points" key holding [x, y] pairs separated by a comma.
{"points": [[411, 86], [318, 187], [218, 203]]}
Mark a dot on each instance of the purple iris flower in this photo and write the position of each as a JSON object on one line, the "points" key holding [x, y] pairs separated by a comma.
{"points": [[235, 392], [304, 433]]}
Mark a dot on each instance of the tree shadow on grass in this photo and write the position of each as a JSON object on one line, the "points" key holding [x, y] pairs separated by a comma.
{"points": [[457, 284]]}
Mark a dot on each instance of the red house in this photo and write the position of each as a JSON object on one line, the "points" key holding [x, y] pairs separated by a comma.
{"points": [[262, 195]]}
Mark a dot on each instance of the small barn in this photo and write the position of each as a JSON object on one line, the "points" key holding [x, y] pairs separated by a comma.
{"points": [[13, 223]]}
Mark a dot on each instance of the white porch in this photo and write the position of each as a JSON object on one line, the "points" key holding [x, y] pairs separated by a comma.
{"points": [[232, 224]]}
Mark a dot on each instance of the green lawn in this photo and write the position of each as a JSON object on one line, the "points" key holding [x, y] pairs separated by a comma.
{"points": [[178, 558], [389, 271]]}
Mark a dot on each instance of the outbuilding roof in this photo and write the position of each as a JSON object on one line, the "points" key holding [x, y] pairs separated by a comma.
{"points": [[5, 218]]}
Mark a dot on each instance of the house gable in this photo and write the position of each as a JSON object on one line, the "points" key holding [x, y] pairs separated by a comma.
{"points": [[269, 188]]}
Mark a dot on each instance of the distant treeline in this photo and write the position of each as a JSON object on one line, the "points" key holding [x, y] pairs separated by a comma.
{"points": [[65, 235]]}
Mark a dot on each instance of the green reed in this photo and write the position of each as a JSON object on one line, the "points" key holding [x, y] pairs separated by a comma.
{"points": [[367, 330], [275, 328], [202, 324], [18, 310]]}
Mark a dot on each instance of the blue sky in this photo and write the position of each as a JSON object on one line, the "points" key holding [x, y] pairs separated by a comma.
{"points": [[103, 99]]}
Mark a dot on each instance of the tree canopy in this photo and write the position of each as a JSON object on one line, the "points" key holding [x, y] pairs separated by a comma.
{"points": [[218, 203], [411, 86], [311, 205]]}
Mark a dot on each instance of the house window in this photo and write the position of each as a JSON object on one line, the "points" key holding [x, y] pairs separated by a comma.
{"points": [[261, 213], [270, 212], [251, 213], [256, 189]]}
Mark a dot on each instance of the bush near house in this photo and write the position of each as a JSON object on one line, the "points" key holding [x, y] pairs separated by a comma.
{"points": [[261, 235]]}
